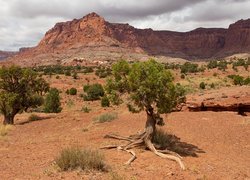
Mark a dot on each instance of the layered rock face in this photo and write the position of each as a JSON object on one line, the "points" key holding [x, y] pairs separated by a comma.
{"points": [[79, 37]]}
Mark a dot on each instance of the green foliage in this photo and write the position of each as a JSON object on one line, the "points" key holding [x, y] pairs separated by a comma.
{"points": [[52, 101], [222, 65], [103, 72], [107, 117], [237, 79], [147, 83], [212, 85], [202, 85], [20, 89], [94, 92], [247, 81], [88, 70], [105, 101], [85, 159], [71, 91], [67, 73], [212, 64], [189, 68]]}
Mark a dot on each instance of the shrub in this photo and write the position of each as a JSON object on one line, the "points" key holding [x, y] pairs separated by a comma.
{"points": [[182, 76], [202, 85], [247, 81], [94, 92], [67, 73], [4, 129], [237, 79], [52, 102], [34, 117], [107, 117], [85, 109], [212, 85], [161, 138], [85, 159], [212, 64], [57, 77], [72, 91], [189, 68], [74, 75], [105, 102], [88, 70]]}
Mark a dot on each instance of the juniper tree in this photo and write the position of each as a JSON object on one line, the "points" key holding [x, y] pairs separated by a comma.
{"points": [[149, 87], [20, 89]]}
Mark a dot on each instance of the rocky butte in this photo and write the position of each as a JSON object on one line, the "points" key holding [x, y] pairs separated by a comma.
{"points": [[92, 38]]}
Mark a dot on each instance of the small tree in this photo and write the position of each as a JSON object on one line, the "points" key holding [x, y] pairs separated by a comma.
{"points": [[52, 102], [151, 89], [202, 85], [94, 92], [20, 89]]}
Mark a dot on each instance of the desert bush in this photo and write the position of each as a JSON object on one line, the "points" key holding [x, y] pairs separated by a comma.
{"points": [[222, 65], [103, 72], [202, 85], [189, 68], [247, 81], [212, 64], [72, 91], [52, 102], [182, 76], [34, 117], [67, 73], [88, 70], [105, 101], [85, 159], [237, 79], [85, 109], [4, 129], [107, 117], [70, 103], [74, 75], [94, 92], [161, 138], [57, 77], [212, 85]]}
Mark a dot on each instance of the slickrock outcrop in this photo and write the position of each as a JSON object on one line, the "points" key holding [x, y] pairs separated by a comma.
{"points": [[93, 38], [234, 99]]}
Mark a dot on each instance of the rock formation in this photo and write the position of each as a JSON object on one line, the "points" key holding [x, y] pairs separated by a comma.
{"points": [[93, 38], [6, 54]]}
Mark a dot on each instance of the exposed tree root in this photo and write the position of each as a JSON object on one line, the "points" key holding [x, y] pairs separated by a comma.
{"points": [[143, 140]]}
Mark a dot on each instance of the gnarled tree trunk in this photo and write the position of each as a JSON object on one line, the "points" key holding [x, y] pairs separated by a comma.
{"points": [[145, 139], [8, 119]]}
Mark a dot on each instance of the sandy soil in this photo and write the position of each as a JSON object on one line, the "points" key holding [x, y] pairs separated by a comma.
{"points": [[215, 145]]}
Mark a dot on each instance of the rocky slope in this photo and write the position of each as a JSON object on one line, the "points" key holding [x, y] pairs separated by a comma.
{"points": [[93, 38], [6, 54]]}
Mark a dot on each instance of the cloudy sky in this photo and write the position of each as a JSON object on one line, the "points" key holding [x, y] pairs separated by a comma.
{"points": [[24, 22]]}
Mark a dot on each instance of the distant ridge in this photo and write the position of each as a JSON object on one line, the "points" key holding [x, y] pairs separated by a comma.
{"points": [[91, 38]]}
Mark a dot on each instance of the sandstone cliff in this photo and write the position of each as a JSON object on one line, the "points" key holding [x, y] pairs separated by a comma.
{"points": [[93, 38]]}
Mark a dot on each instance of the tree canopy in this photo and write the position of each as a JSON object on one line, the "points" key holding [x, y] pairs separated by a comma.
{"points": [[148, 84], [20, 89]]}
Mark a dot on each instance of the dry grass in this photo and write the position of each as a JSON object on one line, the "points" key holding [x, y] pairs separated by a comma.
{"points": [[107, 117], [4, 129], [85, 159]]}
